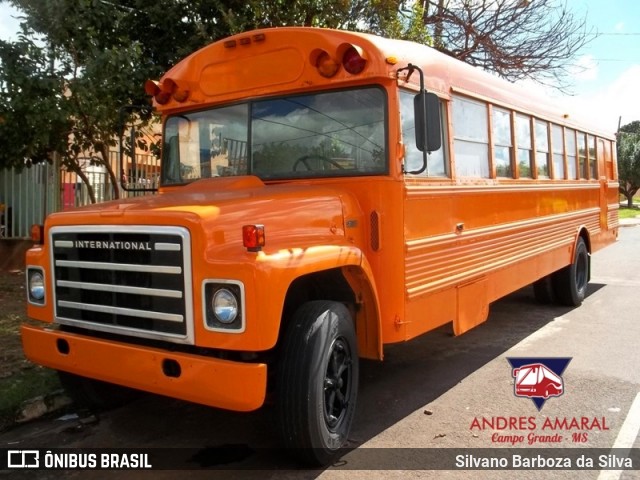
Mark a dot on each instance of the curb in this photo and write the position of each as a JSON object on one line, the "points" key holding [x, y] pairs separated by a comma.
{"points": [[629, 222]]}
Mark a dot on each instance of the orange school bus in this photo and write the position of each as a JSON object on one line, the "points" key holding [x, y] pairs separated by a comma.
{"points": [[323, 193]]}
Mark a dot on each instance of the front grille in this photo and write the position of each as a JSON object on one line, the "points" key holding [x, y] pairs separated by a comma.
{"points": [[126, 280]]}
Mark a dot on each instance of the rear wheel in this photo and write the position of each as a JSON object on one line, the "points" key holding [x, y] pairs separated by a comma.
{"points": [[317, 381], [570, 283], [95, 394]]}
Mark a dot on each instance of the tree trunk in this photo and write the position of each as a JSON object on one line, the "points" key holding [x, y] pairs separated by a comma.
{"points": [[104, 152], [85, 180]]}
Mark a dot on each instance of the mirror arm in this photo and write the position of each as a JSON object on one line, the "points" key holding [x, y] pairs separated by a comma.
{"points": [[411, 68]]}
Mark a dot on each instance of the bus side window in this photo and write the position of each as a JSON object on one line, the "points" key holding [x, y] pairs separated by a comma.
{"points": [[471, 138], [582, 155], [502, 144], [543, 160], [570, 141], [437, 164], [593, 164], [557, 141], [526, 164]]}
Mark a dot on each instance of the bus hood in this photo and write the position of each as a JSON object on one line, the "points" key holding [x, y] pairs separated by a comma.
{"points": [[216, 208]]}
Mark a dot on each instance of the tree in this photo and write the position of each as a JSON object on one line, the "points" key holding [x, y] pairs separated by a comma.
{"points": [[516, 39], [629, 160], [81, 83], [84, 59], [29, 130]]}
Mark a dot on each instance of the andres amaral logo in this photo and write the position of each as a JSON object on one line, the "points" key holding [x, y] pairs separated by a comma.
{"points": [[538, 378]]}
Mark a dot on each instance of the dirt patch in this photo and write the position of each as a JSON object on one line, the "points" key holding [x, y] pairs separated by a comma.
{"points": [[12, 253], [12, 315], [20, 380]]}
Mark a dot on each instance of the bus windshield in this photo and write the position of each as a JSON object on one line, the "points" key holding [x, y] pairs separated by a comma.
{"points": [[325, 134]]}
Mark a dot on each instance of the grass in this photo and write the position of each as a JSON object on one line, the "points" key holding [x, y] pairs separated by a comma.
{"points": [[20, 380], [25, 385], [626, 212]]}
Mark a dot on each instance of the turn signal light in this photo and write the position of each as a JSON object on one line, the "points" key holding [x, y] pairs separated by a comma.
{"points": [[253, 237], [37, 234]]}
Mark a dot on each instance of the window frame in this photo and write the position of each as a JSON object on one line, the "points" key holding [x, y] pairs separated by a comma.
{"points": [[250, 104], [464, 141], [408, 140]]}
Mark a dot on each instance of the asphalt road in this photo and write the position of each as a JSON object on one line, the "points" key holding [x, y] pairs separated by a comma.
{"points": [[423, 400]]}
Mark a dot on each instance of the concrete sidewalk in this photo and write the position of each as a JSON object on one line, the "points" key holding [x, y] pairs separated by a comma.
{"points": [[630, 222]]}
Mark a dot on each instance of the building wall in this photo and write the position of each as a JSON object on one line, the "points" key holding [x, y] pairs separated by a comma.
{"points": [[28, 196]]}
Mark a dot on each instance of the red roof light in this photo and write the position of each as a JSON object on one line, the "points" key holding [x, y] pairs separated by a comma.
{"points": [[352, 61]]}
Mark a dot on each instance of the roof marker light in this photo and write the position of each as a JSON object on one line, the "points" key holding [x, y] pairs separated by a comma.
{"points": [[158, 91], [352, 61], [178, 88], [327, 66]]}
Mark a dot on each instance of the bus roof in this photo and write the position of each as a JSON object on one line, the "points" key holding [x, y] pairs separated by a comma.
{"points": [[274, 60]]}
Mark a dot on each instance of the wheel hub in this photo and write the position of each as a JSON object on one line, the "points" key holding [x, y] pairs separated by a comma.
{"points": [[337, 388]]}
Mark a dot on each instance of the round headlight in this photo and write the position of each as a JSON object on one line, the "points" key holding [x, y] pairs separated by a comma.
{"points": [[225, 306], [36, 286]]}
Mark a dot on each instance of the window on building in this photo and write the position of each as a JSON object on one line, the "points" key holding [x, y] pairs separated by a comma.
{"points": [[523, 139], [470, 141], [502, 148]]}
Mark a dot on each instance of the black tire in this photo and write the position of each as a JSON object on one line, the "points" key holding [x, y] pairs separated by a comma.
{"points": [[317, 382], [95, 394], [543, 290], [570, 283]]}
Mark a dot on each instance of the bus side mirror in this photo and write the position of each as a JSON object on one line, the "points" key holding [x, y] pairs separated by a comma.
{"points": [[427, 120]]}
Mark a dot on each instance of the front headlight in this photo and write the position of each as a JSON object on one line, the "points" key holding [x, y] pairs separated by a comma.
{"points": [[223, 306], [35, 284]]}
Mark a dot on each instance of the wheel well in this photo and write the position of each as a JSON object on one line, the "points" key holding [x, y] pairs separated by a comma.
{"points": [[323, 285], [584, 233]]}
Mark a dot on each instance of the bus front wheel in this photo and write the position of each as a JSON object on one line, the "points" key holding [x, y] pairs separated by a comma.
{"points": [[570, 283], [317, 382]]}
